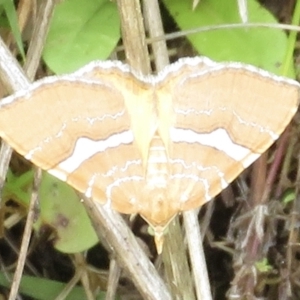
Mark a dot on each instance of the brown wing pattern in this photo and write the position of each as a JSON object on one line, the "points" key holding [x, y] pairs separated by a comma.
{"points": [[225, 117], [108, 132], [80, 130]]}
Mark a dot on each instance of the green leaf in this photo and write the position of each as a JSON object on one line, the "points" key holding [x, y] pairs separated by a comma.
{"points": [[45, 289], [81, 31], [61, 208], [289, 196], [263, 266], [11, 14], [18, 187], [262, 47]]}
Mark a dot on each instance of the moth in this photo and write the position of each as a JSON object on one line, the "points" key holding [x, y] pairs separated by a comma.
{"points": [[154, 145]]}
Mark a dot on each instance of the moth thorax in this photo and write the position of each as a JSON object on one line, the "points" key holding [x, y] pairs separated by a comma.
{"points": [[157, 167]]}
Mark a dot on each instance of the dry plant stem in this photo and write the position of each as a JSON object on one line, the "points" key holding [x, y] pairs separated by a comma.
{"points": [[80, 263], [25, 10], [174, 254], [286, 165], [11, 73], [133, 34], [15, 249], [197, 257], [177, 272], [197, 30], [261, 184], [5, 155], [39, 36], [205, 221], [136, 51], [71, 284], [293, 221], [198, 263], [26, 237], [284, 150], [80, 275], [293, 241], [14, 77], [127, 251], [250, 249], [176, 251], [155, 27], [258, 180], [113, 280], [117, 234], [174, 257]]}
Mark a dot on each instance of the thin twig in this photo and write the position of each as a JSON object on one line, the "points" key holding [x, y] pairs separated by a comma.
{"points": [[129, 254], [198, 263], [14, 77]]}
